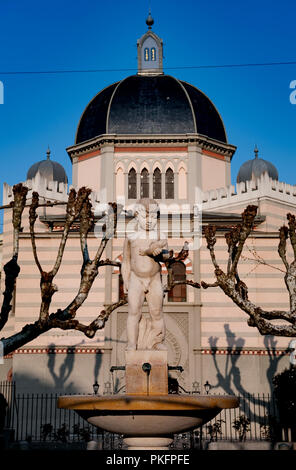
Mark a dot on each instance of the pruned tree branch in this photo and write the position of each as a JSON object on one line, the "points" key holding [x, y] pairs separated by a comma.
{"points": [[170, 286], [241, 234], [108, 262], [86, 223], [76, 203], [45, 204], [32, 219], [284, 233], [206, 285], [11, 268], [237, 290], [291, 231], [20, 195], [259, 260], [78, 206], [102, 318], [210, 232]]}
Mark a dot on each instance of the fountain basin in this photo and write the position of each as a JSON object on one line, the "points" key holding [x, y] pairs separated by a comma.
{"points": [[146, 416]]}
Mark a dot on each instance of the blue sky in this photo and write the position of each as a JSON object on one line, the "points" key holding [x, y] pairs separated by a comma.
{"points": [[44, 109]]}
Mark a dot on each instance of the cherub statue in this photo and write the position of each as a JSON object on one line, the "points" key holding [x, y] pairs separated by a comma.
{"points": [[141, 273]]}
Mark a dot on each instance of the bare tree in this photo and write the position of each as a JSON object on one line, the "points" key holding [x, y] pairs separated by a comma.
{"points": [[237, 290], [77, 207]]}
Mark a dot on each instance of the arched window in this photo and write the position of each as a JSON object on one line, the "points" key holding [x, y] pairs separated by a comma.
{"points": [[169, 184], [144, 183], [157, 184], [182, 185], [153, 53], [119, 182], [146, 54], [132, 184], [178, 293]]}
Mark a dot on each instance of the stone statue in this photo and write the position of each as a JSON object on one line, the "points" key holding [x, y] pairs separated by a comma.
{"points": [[141, 273]]}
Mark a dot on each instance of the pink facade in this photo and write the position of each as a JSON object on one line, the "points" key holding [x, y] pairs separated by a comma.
{"points": [[182, 169]]}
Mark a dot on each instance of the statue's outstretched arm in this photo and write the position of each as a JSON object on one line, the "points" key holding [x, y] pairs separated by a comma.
{"points": [[126, 265], [158, 249]]}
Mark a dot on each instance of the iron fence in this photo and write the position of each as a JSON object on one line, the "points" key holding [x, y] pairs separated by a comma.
{"points": [[7, 396], [36, 418]]}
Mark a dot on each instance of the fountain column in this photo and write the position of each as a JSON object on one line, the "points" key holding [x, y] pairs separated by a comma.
{"points": [[146, 374], [148, 443], [140, 381]]}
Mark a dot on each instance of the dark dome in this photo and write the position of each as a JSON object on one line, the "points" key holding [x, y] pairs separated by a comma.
{"points": [[253, 169], [158, 104], [49, 169]]}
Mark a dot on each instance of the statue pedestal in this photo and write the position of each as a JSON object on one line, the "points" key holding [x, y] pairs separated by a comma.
{"points": [[139, 382]]}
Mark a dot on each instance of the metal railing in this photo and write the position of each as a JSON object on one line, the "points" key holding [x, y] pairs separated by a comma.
{"points": [[35, 417], [39, 419], [255, 419], [7, 397]]}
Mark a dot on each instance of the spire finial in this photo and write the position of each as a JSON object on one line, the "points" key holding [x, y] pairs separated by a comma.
{"points": [[48, 153], [256, 151], [149, 20]]}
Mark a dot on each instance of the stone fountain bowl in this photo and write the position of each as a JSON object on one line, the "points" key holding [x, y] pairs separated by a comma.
{"points": [[133, 415]]}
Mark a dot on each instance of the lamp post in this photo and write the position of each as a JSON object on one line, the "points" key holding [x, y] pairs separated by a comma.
{"points": [[207, 387], [195, 387], [96, 387], [107, 390]]}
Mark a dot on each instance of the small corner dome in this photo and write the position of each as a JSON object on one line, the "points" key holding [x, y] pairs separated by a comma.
{"points": [[48, 169], [254, 168]]}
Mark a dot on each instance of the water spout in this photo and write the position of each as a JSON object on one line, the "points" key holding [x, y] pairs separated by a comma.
{"points": [[147, 369]]}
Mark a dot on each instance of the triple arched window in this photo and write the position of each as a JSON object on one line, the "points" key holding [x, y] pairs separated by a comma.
{"points": [[157, 182]]}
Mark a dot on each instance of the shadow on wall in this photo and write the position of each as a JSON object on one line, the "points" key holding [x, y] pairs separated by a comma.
{"points": [[61, 378], [61, 373], [230, 380], [231, 376], [64, 371]]}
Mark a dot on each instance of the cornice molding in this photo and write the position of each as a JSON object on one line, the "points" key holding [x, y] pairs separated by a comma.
{"points": [[150, 141], [59, 350], [241, 351]]}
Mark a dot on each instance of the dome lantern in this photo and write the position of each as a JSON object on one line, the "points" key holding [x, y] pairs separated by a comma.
{"points": [[150, 102], [150, 51]]}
